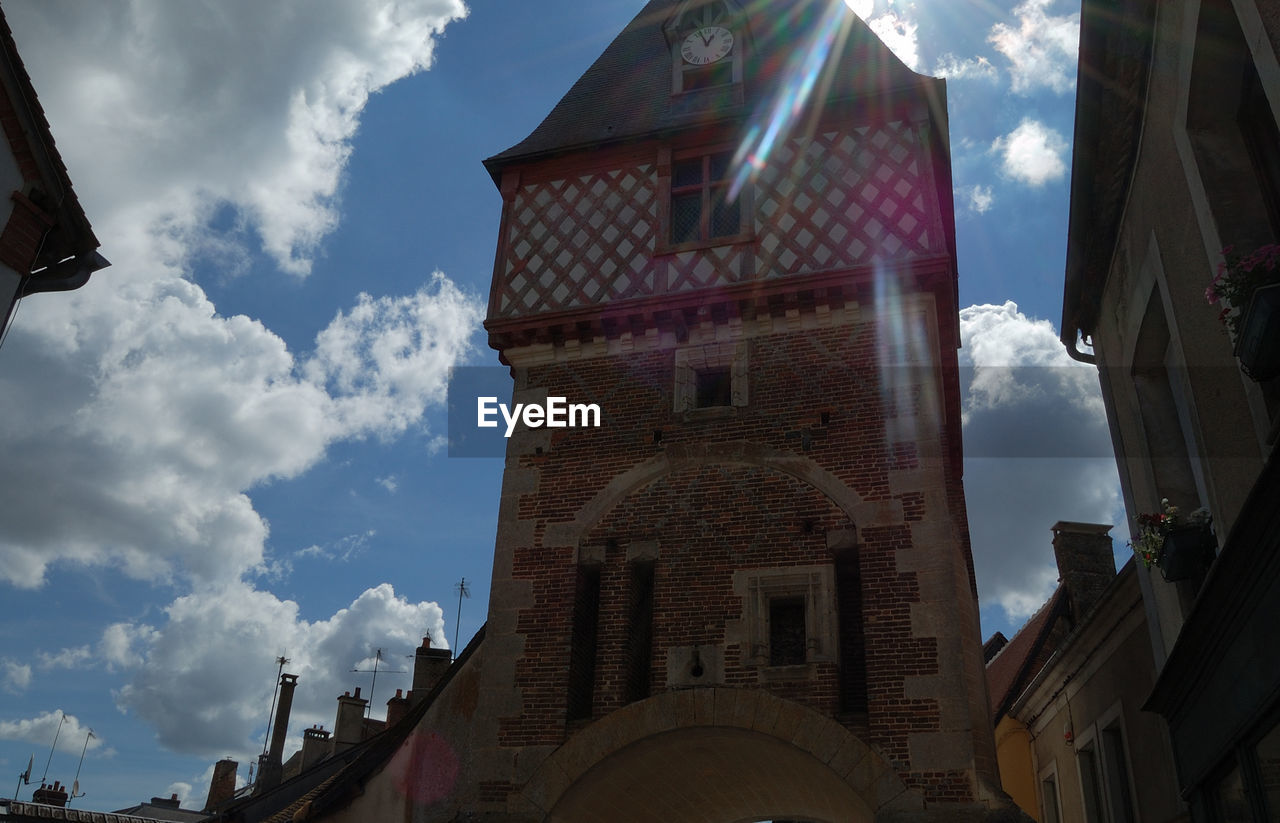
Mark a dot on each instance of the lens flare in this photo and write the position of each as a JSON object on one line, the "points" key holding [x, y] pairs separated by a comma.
{"points": [[807, 66]]}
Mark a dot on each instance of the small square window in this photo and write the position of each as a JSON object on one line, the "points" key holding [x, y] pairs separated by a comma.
{"points": [[713, 387], [712, 376], [787, 637]]}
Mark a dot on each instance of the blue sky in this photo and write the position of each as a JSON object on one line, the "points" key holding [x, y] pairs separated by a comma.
{"points": [[228, 445]]}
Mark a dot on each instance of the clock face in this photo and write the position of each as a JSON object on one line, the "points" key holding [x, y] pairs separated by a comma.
{"points": [[706, 45]]}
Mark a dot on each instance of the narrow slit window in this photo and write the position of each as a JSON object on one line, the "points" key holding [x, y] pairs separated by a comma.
{"points": [[640, 636], [582, 650], [853, 654]]}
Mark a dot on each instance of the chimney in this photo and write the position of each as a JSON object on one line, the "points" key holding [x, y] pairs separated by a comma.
{"points": [[315, 746], [271, 770], [223, 785], [55, 795], [1085, 563], [397, 707], [348, 728], [429, 665], [170, 802]]}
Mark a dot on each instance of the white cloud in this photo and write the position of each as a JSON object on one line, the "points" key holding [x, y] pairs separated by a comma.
{"points": [[121, 644], [237, 103], [342, 549], [206, 678], [1040, 47], [389, 483], [14, 677], [977, 198], [184, 792], [43, 728], [954, 68], [152, 447], [899, 34], [1032, 153], [862, 8], [135, 416], [69, 658], [1037, 450]]}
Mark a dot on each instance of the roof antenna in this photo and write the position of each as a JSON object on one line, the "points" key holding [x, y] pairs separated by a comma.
{"points": [[282, 660], [75, 786], [463, 591], [377, 658], [24, 778], [61, 720]]}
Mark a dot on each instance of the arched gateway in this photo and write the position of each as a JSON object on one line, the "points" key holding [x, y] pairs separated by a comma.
{"points": [[748, 594], [736, 759]]}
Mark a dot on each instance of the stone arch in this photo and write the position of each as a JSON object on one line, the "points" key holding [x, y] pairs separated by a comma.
{"points": [[738, 753], [677, 457]]}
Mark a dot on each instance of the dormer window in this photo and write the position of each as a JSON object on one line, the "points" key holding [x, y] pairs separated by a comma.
{"points": [[706, 46]]}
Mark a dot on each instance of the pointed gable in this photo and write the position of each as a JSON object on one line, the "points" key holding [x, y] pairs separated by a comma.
{"points": [[627, 93]]}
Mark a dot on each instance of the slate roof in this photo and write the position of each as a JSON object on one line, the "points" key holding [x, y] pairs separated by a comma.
{"points": [[626, 94]]}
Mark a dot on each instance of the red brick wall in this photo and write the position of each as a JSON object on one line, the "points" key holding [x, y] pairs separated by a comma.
{"points": [[713, 519]]}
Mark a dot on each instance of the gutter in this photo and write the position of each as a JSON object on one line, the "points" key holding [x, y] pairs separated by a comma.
{"points": [[65, 275]]}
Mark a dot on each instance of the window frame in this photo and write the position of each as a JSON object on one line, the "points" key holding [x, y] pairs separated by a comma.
{"points": [[692, 360], [1049, 776], [816, 586], [1105, 772], [667, 160]]}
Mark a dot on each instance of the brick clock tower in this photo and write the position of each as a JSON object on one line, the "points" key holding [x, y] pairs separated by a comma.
{"points": [[748, 594]]}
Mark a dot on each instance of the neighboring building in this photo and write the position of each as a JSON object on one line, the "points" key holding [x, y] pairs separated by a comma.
{"points": [[51, 803], [1177, 156], [46, 242], [1067, 693], [749, 594], [163, 808]]}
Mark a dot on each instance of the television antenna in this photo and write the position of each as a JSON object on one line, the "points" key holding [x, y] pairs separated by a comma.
{"points": [[282, 661], [463, 591], [61, 719], [75, 786], [377, 658]]}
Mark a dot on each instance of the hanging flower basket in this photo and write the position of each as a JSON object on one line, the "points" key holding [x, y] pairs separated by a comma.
{"points": [[1187, 551], [1181, 546], [1258, 343], [1246, 286]]}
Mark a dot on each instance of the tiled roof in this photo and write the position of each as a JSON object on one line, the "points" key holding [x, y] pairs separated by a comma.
{"points": [[1023, 656], [330, 783], [626, 94], [79, 236]]}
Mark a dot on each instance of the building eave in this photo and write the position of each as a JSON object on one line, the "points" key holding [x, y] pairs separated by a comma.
{"points": [[1116, 46]]}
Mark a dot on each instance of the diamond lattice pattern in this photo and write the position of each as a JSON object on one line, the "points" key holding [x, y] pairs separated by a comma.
{"points": [[580, 241], [838, 200], [830, 201]]}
